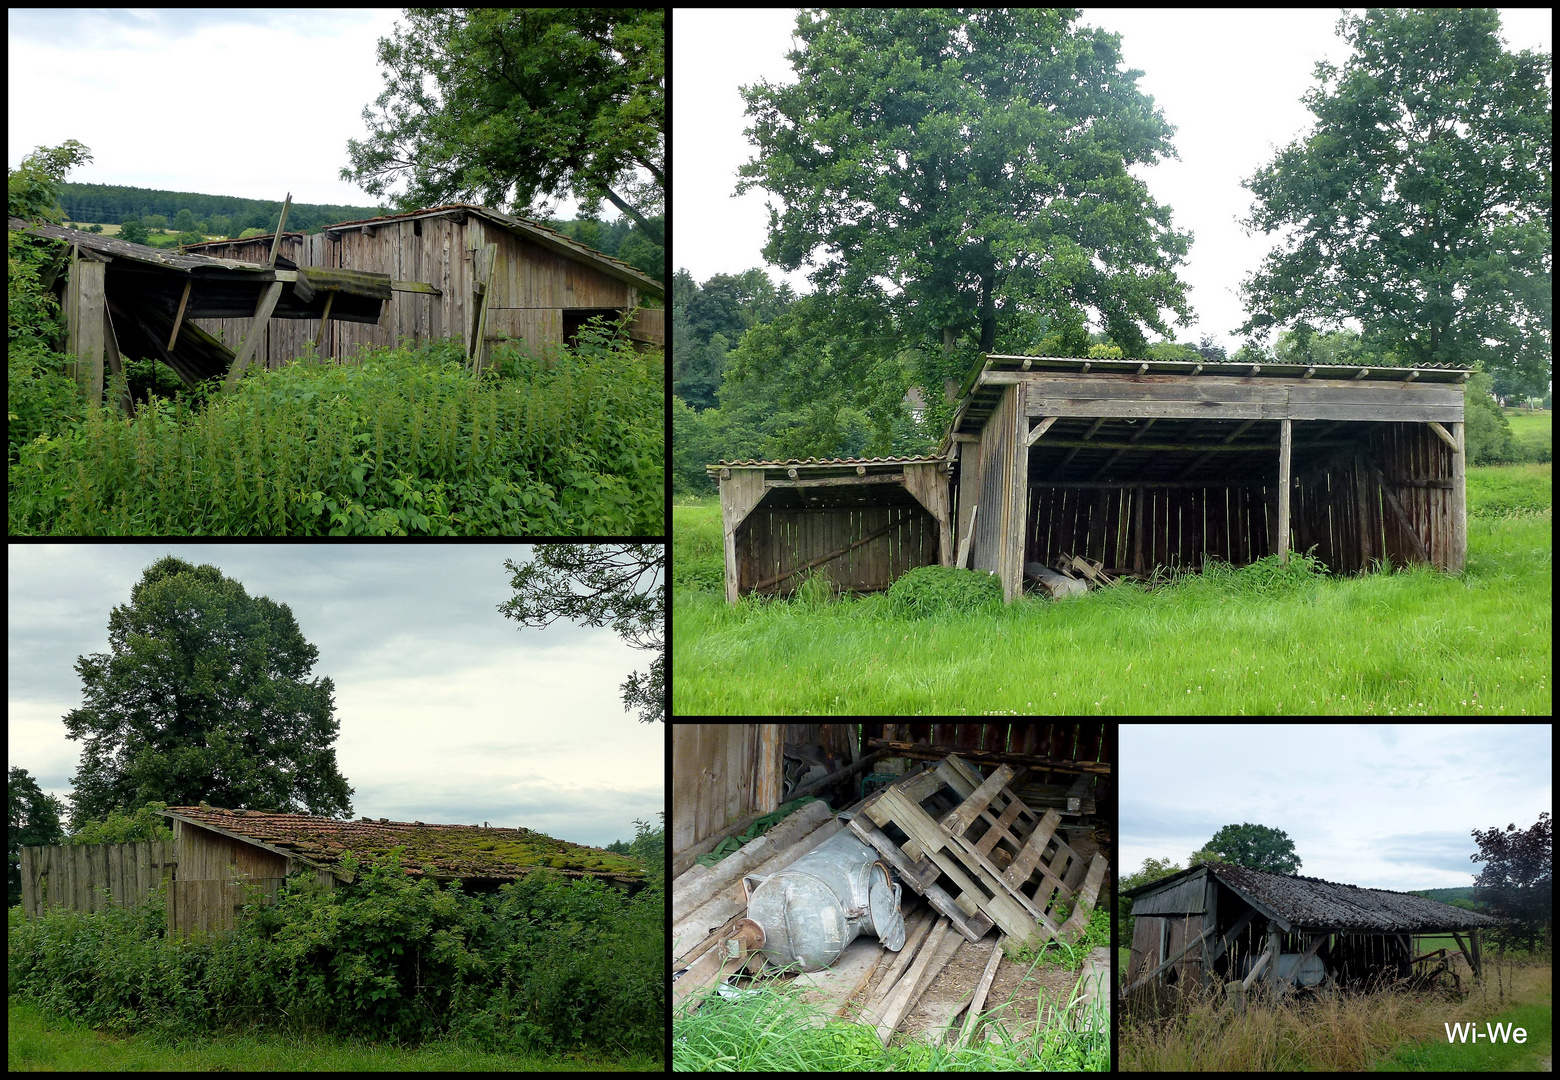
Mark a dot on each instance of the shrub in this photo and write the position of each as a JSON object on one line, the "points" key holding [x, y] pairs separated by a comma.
{"points": [[933, 590]]}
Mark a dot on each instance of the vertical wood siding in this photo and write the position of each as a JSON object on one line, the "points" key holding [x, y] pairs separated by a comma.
{"points": [[531, 291], [70, 875]]}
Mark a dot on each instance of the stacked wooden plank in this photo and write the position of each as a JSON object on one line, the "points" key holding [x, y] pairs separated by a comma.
{"points": [[980, 856]]}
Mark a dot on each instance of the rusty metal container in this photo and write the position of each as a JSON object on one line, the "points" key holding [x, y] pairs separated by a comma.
{"points": [[808, 912]]}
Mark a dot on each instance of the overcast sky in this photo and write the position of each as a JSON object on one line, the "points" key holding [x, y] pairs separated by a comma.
{"points": [[1229, 81], [1382, 806], [449, 712], [252, 102]]}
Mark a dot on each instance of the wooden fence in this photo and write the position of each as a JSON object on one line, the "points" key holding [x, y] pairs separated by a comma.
{"points": [[70, 876]]}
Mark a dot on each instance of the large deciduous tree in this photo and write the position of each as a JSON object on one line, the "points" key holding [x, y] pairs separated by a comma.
{"points": [[204, 694], [1256, 847], [971, 167], [618, 585], [1421, 203], [1518, 879], [514, 105]]}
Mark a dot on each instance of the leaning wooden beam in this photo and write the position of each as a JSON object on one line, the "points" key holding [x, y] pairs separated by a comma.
{"points": [[820, 560], [702, 882], [178, 320], [1172, 958], [330, 298], [932, 960], [1399, 513], [268, 299], [276, 241], [982, 988]]}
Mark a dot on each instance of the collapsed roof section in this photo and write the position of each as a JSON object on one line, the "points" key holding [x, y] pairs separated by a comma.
{"points": [[135, 300]]}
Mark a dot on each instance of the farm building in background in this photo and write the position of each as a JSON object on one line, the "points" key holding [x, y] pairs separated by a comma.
{"points": [[538, 285], [215, 851], [1127, 466], [1220, 923]]}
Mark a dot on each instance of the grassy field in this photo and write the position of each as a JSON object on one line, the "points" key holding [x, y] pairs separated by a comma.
{"points": [[38, 1041], [1386, 1031], [1253, 642]]}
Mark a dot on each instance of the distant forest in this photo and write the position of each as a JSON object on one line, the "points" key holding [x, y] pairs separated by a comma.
{"points": [[230, 216], [111, 204]]}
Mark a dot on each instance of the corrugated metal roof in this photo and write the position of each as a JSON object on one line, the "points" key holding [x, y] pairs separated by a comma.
{"points": [[1446, 373], [1315, 904], [456, 851], [815, 462]]}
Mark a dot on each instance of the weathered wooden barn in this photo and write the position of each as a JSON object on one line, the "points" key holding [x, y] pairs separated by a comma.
{"points": [[456, 271], [1133, 464], [216, 851], [1220, 923]]}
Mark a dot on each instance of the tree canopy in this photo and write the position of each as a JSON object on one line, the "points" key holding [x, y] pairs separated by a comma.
{"points": [[1518, 878], [618, 585], [968, 169], [204, 694], [1421, 204], [1256, 847], [34, 820], [513, 105]]}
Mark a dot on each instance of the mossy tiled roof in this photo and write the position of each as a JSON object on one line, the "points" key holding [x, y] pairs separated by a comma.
{"points": [[454, 851]]}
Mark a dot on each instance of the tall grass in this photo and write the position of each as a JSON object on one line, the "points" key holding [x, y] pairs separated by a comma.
{"points": [[403, 442], [1336, 1033], [1258, 640]]}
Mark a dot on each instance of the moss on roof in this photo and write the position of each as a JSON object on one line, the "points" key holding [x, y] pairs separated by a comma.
{"points": [[454, 851]]}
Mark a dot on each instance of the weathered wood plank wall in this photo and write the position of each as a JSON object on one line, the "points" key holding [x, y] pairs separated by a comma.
{"points": [[70, 875]]}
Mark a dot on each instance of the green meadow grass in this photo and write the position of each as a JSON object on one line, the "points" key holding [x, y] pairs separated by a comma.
{"points": [[1251, 642], [40, 1041]]}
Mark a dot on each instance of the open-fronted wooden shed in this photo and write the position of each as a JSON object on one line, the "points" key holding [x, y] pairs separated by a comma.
{"points": [[459, 271], [1224, 923], [1144, 463], [861, 522]]}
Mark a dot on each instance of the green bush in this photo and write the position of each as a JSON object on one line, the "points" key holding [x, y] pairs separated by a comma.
{"points": [[541, 964], [933, 590]]}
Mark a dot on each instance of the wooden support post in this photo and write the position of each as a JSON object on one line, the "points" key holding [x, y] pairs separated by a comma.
{"points": [[1459, 544], [90, 323], [178, 320], [1275, 947], [267, 304], [1285, 445]]}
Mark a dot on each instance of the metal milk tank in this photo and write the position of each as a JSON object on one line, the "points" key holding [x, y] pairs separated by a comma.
{"points": [[812, 909]]}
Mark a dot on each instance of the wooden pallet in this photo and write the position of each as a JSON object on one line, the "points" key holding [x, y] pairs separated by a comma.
{"points": [[988, 860]]}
